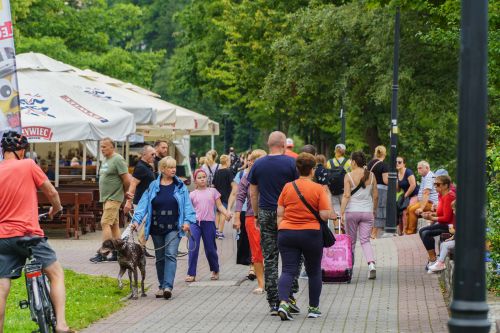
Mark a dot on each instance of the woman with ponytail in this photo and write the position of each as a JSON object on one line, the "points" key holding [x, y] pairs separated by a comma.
{"points": [[359, 206], [381, 171]]}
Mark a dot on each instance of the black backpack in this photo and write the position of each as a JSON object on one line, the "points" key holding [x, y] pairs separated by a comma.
{"points": [[336, 176]]}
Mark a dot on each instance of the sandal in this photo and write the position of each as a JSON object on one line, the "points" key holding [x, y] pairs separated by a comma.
{"points": [[215, 276], [251, 275], [190, 278], [258, 291]]}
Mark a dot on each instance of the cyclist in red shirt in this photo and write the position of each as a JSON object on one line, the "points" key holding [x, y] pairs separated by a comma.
{"points": [[20, 179]]}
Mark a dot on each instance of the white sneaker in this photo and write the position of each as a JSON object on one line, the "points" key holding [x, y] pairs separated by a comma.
{"points": [[437, 267], [429, 264], [372, 271]]}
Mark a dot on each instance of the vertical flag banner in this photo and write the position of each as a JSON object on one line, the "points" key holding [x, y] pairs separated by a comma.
{"points": [[10, 116]]}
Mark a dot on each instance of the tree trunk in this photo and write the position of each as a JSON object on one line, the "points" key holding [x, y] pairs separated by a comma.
{"points": [[371, 137]]}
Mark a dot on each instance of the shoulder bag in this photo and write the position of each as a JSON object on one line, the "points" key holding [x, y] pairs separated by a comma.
{"points": [[328, 237]]}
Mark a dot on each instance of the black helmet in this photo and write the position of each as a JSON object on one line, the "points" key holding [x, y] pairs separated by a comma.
{"points": [[13, 141]]}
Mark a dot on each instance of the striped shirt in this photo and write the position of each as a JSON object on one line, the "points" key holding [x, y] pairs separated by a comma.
{"points": [[428, 183]]}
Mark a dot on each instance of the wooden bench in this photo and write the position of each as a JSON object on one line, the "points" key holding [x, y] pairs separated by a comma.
{"points": [[71, 202]]}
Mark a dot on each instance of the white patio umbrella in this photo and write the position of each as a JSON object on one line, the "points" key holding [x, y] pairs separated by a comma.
{"points": [[145, 113], [92, 75], [53, 112]]}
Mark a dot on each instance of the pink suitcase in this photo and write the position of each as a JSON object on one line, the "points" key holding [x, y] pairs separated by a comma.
{"points": [[336, 264]]}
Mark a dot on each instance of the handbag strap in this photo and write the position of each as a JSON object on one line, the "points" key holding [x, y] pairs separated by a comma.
{"points": [[356, 189], [304, 201]]}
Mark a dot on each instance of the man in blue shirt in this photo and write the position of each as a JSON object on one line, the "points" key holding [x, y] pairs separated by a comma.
{"points": [[267, 178]]}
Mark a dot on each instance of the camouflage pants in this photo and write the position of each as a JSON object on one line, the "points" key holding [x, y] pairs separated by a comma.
{"points": [[269, 241]]}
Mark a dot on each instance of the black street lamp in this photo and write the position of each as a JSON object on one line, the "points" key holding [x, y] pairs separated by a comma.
{"points": [[390, 224], [469, 310], [342, 122]]}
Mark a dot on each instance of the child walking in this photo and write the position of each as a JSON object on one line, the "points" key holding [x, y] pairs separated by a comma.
{"points": [[204, 200]]}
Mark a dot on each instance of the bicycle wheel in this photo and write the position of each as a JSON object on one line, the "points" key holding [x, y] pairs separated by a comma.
{"points": [[38, 306], [50, 316]]}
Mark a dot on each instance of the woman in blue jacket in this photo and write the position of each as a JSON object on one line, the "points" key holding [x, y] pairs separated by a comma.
{"points": [[168, 212]]}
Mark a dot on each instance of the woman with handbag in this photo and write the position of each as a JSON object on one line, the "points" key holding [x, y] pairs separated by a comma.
{"points": [[299, 233], [408, 184], [359, 207]]}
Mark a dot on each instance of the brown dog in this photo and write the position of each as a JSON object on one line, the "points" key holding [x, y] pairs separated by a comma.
{"points": [[130, 257]]}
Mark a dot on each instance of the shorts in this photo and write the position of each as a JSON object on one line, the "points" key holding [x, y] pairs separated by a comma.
{"points": [[110, 212], [13, 257]]}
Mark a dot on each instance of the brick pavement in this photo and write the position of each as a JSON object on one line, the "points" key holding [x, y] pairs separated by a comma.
{"points": [[403, 298]]}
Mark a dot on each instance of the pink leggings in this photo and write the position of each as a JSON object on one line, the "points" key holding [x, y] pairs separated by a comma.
{"points": [[364, 222]]}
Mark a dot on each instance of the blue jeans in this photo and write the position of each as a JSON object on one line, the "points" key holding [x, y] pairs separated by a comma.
{"points": [[204, 230], [166, 258]]}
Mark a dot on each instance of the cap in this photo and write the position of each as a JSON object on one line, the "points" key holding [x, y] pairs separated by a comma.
{"points": [[340, 146], [289, 142], [441, 172]]}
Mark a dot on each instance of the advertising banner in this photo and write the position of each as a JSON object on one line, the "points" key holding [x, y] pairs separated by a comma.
{"points": [[10, 117]]}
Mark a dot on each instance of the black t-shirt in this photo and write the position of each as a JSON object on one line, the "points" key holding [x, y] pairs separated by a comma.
{"points": [[222, 183], [270, 173], [404, 183], [144, 173], [155, 163], [378, 170]]}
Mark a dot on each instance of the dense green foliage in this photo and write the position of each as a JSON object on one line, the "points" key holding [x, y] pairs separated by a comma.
{"points": [[88, 34], [292, 66], [88, 299], [261, 65], [493, 208]]}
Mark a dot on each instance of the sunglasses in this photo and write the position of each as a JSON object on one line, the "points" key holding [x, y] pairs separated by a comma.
{"points": [[438, 184], [399, 162]]}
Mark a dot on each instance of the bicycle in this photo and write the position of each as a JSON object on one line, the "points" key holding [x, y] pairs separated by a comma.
{"points": [[37, 287]]}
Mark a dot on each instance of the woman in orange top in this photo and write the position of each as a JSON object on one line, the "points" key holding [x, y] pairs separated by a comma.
{"points": [[299, 234]]}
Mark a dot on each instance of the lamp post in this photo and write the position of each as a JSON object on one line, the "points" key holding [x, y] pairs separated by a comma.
{"points": [[469, 310], [342, 122], [390, 224]]}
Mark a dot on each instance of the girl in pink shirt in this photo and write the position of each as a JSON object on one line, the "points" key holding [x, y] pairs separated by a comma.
{"points": [[205, 200]]}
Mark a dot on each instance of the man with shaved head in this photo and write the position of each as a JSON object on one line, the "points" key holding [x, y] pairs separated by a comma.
{"points": [[267, 178]]}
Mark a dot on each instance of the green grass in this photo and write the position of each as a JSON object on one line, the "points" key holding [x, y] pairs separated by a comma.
{"points": [[88, 299]]}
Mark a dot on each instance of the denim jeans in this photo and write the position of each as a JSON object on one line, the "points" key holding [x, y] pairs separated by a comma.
{"points": [[166, 258]]}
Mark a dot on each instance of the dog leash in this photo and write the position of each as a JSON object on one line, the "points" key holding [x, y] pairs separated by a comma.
{"points": [[190, 239]]}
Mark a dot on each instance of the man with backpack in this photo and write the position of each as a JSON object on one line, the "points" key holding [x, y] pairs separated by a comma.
{"points": [[338, 166]]}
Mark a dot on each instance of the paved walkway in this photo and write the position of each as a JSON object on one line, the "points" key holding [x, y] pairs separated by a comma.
{"points": [[403, 298]]}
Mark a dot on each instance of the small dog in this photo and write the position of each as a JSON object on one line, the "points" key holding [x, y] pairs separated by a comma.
{"points": [[130, 257]]}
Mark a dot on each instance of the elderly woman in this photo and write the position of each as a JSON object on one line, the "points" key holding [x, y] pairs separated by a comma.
{"points": [[169, 213], [299, 235], [441, 219]]}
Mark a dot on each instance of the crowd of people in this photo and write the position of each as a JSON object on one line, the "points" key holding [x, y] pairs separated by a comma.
{"points": [[268, 193]]}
